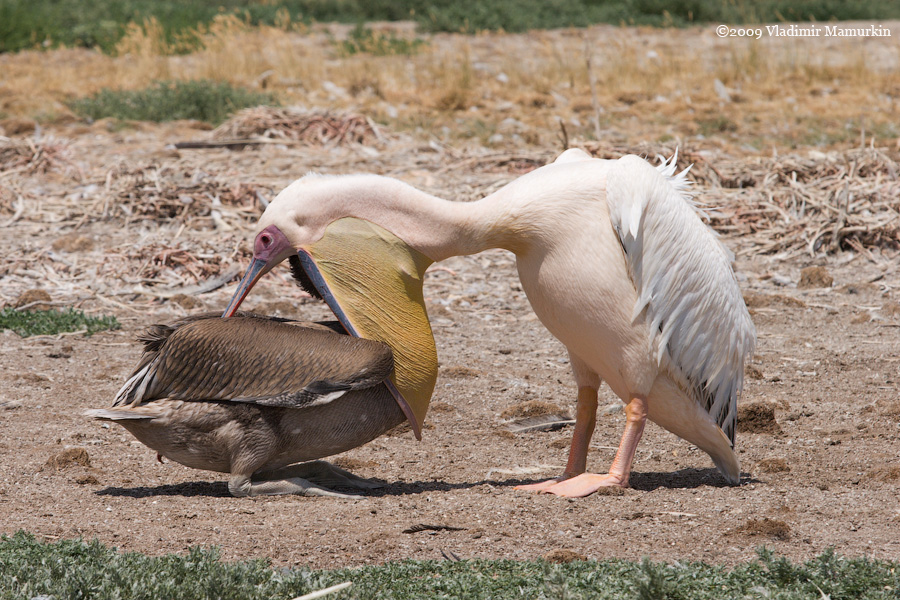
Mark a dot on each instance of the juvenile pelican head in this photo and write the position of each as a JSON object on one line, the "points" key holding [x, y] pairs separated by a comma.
{"points": [[370, 278]]}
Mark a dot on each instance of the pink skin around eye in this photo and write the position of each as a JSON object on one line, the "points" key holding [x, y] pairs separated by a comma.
{"points": [[269, 242], [270, 247]]}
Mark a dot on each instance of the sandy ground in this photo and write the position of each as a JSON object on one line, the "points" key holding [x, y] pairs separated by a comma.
{"points": [[821, 468]]}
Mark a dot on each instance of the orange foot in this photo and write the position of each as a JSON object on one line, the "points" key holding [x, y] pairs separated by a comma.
{"points": [[543, 485], [584, 485]]}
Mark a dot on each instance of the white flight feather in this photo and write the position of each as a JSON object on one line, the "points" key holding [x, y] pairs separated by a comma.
{"points": [[140, 379], [685, 284]]}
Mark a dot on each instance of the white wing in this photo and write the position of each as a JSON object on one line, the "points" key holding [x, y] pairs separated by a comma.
{"points": [[685, 284], [572, 155]]}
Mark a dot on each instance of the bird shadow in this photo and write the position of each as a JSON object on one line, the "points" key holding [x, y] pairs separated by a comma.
{"points": [[673, 480], [645, 482], [684, 479], [411, 488], [213, 489], [191, 489]]}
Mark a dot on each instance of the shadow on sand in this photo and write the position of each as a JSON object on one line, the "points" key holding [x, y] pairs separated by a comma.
{"points": [[644, 482]]}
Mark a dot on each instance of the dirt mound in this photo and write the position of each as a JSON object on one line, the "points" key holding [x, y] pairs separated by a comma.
{"points": [[33, 299], [773, 465], [70, 457], [772, 528], [758, 417], [884, 473], [561, 556], [531, 408], [73, 242], [758, 300], [459, 371], [815, 277]]}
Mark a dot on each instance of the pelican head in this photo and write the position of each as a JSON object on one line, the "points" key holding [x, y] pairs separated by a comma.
{"points": [[370, 278]]}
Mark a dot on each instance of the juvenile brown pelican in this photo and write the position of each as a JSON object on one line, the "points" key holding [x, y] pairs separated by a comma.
{"points": [[252, 395]]}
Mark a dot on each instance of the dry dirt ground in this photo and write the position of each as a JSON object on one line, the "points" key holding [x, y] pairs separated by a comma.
{"points": [[820, 466]]}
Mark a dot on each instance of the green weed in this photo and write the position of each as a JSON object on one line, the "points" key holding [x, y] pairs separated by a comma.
{"points": [[101, 23], [716, 125], [51, 322], [363, 40], [78, 569], [202, 100]]}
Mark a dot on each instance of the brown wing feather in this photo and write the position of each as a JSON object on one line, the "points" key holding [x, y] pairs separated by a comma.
{"points": [[249, 358]]}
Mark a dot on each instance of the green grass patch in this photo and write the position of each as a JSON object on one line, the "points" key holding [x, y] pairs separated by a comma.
{"points": [[51, 322], [101, 23], [202, 100], [717, 125], [524, 15], [76, 569], [363, 40]]}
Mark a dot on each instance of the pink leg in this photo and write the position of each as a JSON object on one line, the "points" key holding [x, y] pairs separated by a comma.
{"points": [[588, 483], [585, 419]]}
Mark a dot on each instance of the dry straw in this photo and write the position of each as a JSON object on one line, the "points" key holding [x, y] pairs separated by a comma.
{"points": [[307, 127]]}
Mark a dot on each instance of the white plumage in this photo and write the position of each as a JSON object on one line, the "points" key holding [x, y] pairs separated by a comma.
{"points": [[682, 274]]}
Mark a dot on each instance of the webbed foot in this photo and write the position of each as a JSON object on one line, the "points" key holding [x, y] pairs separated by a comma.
{"points": [[312, 478]]}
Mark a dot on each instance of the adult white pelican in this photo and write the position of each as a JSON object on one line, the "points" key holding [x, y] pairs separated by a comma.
{"points": [[612, 256]]}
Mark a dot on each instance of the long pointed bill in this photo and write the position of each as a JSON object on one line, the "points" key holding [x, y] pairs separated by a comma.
{"points": [[254, 272], [270, 248], [372, 281]]}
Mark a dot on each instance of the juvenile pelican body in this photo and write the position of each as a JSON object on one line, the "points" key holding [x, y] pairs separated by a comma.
{"points": [[616, 264], [255, 396]]}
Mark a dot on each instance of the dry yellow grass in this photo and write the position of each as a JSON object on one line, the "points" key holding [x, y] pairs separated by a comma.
{"points": [[650, 83]]}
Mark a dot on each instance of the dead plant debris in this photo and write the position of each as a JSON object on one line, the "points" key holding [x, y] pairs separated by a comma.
{"points": [[497, 163], [314, 128], [161, 265], [753, 372], [196, 197], [819, 203], [426, 527], [550, 422], [29, 156]]}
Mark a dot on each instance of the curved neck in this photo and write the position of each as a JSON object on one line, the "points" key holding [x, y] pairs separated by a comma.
{"points": [[435, 227]]}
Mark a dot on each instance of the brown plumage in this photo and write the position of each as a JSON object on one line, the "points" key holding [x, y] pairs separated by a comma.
{"points": [[250, 395]]}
